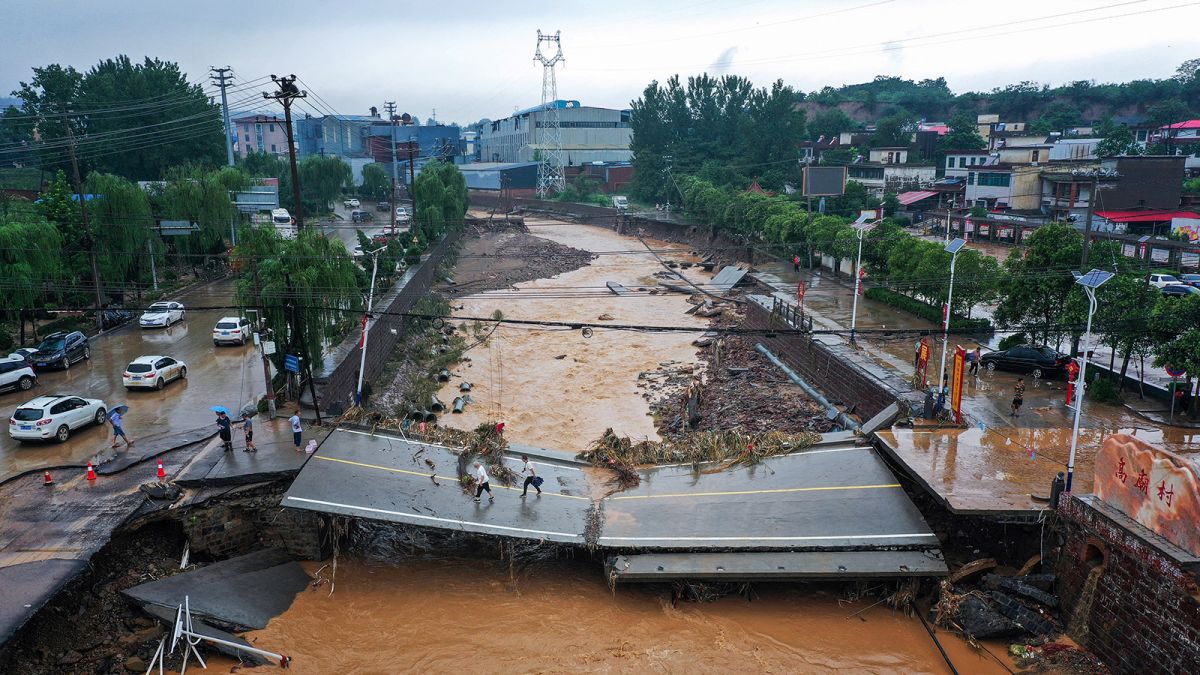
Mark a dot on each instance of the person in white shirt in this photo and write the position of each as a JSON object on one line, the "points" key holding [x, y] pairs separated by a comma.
{"points": [[531, 477], [481, 482], [295, 422]]}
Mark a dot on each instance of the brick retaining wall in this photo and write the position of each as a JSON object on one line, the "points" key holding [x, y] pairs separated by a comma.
{"points": [[336, 384], [832, 369], [1145, 609]]}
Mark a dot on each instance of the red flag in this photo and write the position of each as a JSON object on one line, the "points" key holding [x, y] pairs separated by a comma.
{"points": [[362, 338], [862, 272]]}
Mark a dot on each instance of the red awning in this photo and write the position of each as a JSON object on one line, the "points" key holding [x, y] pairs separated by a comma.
{"points": [[907, 198], [1145, 216]]}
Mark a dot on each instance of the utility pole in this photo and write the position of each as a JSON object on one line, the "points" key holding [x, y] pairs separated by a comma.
{"points": [[391, 110], [412, 180], [221, 76], [87, 226], [1087, 224], [287, 93]]}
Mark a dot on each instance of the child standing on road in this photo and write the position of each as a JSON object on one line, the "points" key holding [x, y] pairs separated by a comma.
{"points": [[118, 430], [294, 420], [531, 477], [225, 429], [481, 480], [248, 430], [1018, 396]]}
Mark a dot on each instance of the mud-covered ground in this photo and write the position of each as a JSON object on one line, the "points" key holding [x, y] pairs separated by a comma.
{"points": [[90, 627], [499, 254]]}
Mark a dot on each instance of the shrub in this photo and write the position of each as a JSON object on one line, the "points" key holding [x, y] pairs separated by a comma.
{"points": [[1014, 340], [925, 311], [1102, 390]]}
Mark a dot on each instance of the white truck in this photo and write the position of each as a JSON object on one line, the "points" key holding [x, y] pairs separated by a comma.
{"points": [[620, 203], [284, 223]]}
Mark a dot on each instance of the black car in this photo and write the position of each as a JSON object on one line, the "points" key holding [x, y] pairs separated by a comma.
{"points": [[60, 350], [1180, 290], [1037, 361]]}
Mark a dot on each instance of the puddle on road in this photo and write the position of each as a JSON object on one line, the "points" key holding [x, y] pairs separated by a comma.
{"points": [[565, 403], [447, 615]]}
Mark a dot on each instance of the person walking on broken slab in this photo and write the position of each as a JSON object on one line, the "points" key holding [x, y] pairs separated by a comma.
{"points": [[248, 430], [294, 420], [114, 418], [531, 477], [481, 483]]}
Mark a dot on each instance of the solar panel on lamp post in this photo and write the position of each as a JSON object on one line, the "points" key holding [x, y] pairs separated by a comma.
{"points": [[1090, 282]]}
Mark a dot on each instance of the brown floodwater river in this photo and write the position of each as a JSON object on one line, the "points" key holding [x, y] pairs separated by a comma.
{"points": [[470, 615], [444, 614]]}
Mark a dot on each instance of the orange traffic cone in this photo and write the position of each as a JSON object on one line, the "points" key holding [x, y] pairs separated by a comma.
{"points": [[162, 473], [91, 474], [47, 479]]}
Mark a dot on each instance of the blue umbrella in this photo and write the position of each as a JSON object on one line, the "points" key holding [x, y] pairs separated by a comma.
{"points": [[121, 409], [220, 409]]}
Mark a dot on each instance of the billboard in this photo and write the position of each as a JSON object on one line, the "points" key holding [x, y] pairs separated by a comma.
{"points": [[824, 181]]}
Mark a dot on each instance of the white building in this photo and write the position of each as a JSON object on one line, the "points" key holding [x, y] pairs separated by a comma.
{"points": [[588, 135]]}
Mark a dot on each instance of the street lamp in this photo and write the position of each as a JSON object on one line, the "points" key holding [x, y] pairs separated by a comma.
{"points": [[952, 248], [1090, 282], [362, 362], [861, 228]]}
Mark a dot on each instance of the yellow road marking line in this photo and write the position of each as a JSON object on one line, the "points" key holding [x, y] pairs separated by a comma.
{"points": [[761, 492], [425, 475], [676, 494]]}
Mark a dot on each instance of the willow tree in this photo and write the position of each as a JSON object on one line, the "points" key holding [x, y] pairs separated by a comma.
{"points": [[31, 264], [441, 196], [122, 227], [202, 197], [309, 289]]}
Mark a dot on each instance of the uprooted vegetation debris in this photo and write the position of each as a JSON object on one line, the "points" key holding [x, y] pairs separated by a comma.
{"points": [[730, 447]]}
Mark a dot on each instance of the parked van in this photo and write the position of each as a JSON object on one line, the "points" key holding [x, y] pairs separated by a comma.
{"points": [[620, 203], [284, 223]]}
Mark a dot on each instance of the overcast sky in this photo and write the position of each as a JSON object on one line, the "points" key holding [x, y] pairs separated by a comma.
{"points": [[473, 59]]}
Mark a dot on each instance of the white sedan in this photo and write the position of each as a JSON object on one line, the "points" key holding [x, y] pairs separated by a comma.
{"points": [[161, 315], [55, 416], [153, 372]]}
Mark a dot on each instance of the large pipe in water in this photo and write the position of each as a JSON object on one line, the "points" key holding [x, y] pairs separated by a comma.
{"points": [[459, 403], [443, 376], [842, 418], [435, 404]]}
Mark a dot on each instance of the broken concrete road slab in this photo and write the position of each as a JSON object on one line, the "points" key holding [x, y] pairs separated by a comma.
{"points": [[243, 592], [26, 587]]}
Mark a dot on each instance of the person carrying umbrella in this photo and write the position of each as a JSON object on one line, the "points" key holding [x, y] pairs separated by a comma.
{"points": [[114, 418], [224, 427]]}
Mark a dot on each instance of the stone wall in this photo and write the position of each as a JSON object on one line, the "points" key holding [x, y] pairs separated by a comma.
{"points": [[833, 369], [1136, 595], [337, 382], [233, 528]]}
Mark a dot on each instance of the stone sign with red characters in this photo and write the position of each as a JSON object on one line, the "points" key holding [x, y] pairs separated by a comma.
{"points": [[1154, 487]]}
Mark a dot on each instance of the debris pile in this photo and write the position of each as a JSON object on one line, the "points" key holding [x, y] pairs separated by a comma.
{"points": [[731, 446], [504, 254]]}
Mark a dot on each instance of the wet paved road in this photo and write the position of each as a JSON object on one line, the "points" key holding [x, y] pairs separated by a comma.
{"points": [[1001, 460], [226, 375]]}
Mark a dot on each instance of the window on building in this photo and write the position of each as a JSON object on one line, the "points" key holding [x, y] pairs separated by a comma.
{"points": [[972, 162], [993, 179], [271, 127], [1037, 154], [971, 178], [962, 162], [272, 147], [1142, 135], [949, 162]]}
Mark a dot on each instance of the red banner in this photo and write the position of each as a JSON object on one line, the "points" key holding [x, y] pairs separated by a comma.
{"points": [[923, 362], [956, 382], [362, 337], [1072, 373]]}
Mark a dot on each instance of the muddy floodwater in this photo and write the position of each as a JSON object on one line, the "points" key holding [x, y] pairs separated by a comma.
{"points": [[553, 387], [453, 615]]}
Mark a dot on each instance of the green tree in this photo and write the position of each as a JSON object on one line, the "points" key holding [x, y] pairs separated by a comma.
{"points": [[894, 131], [1034, 292], [1174, 324], [322, 179], [963, 134], [202, 197], [131, 119], [120, 215], [1059, 116], [377, 184], [30, 267], [1115, 139], [830, 123], [441, 196]]}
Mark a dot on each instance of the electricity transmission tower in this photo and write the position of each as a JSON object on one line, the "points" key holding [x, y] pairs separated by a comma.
{"points": [[550, 167]]}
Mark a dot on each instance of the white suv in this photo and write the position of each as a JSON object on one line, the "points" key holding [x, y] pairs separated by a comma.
{"points": [[54, 416], [1163, 280], [232, 329], [17, 374]]}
